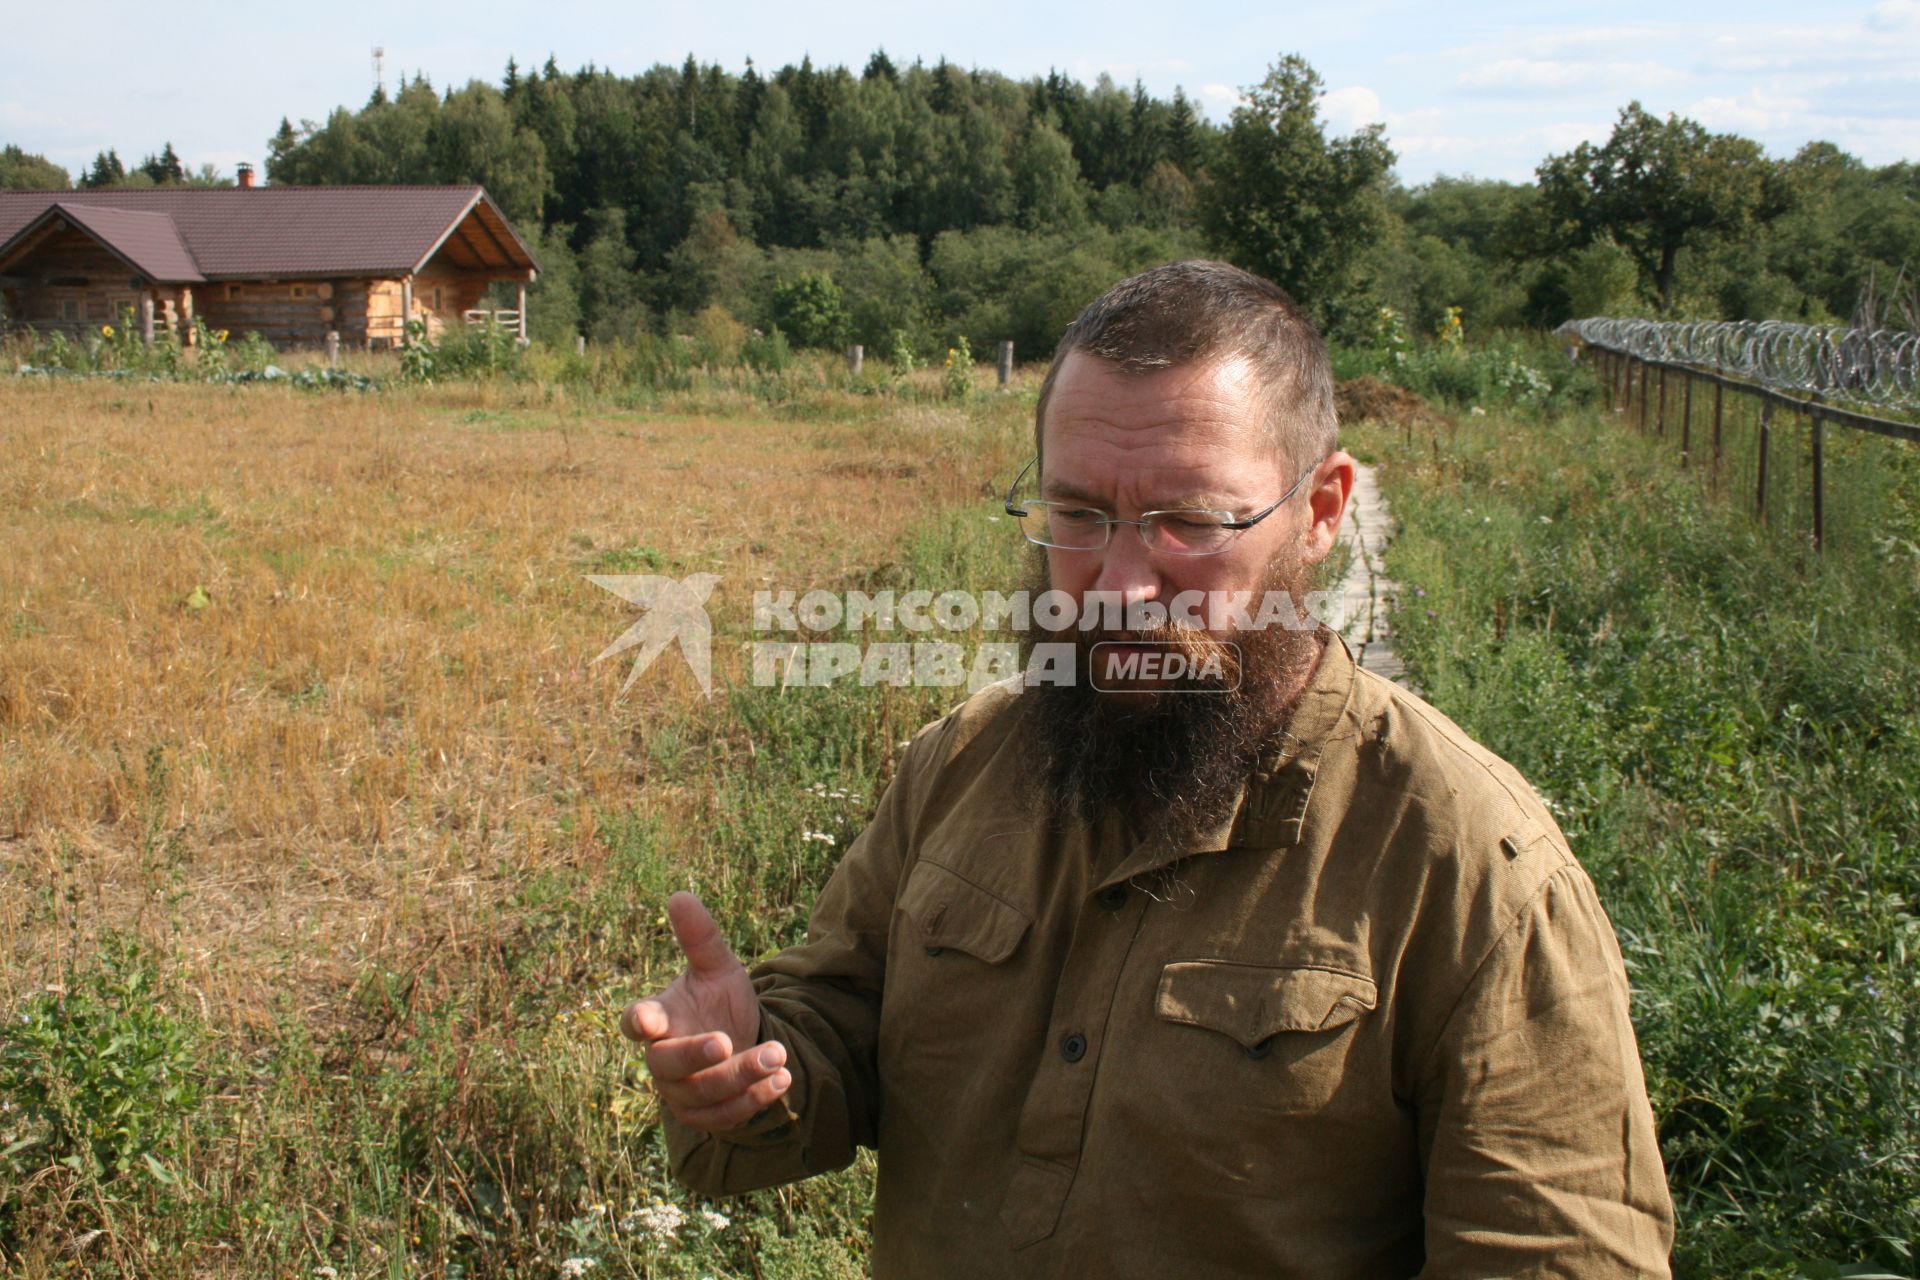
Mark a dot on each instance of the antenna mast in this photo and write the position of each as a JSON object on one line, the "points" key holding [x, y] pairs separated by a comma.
{"points": [[380, 71]]}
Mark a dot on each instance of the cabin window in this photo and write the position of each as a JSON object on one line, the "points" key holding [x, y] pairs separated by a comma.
{"points": [[297, 292], [126, 310], [436, 297], [233, 293], [70, 309]]}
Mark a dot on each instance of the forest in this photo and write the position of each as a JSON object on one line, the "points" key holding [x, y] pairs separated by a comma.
{"points": [[912, 205]]}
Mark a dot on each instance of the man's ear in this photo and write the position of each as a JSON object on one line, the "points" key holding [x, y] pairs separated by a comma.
{"points": [[1327, 495]]}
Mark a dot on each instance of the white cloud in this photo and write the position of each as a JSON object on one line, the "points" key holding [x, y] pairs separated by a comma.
{"points": [[1894, 15], [1755, 111], [1220, 99], [1550, 75], [1351, 108]]}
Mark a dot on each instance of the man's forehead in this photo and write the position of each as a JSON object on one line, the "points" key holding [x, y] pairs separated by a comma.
{"points": [[1203, 426], [1225, 386]]}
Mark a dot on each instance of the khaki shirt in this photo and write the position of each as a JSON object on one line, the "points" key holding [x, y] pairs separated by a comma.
{"points": [[1374, 1026]]}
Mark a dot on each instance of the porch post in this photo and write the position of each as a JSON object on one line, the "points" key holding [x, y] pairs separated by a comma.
{"points": [[522, 313], [406, 311]]}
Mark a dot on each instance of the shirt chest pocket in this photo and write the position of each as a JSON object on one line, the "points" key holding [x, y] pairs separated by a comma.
{"points": [[1294, 1028], [953, 979], [946, 912]]}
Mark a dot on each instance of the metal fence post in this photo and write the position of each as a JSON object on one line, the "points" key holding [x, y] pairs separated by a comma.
{"points": [[1818, 431], [1766, 436], [1719, 390], [1686, 417], [1660, 409]]}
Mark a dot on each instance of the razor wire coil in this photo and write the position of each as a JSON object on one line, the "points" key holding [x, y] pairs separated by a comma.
{"points": [[1877, 367]]}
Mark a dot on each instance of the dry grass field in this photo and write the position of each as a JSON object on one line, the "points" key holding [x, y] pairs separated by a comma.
{"points": [[297, 697]]}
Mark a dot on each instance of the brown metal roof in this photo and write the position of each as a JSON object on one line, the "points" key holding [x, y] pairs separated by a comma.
{"points": [[149, 242], [279, 232]]}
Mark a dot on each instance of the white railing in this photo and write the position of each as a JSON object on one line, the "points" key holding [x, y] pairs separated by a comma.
{"points": [[477, 319]]}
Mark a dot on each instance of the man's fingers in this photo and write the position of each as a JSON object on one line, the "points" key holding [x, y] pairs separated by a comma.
{"points": [[645, 1021], [725, 1081], [707, 952], [676, 1059], [739, 1109]]}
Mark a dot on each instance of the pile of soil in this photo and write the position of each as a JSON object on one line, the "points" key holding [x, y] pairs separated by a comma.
{"points": [[1358, 399]]}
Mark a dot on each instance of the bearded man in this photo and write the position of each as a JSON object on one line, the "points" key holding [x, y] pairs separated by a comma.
{"points": [[1275, 973]]}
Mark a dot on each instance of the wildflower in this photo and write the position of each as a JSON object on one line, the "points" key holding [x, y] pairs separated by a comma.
{"points": [[575, 1267], [106, 331], [659, 1220], [324, 1272], [1546, 519], [715, 1219]]}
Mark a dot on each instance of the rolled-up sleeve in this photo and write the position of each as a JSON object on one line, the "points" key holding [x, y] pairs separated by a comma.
{"points": [[1537, 1139]]}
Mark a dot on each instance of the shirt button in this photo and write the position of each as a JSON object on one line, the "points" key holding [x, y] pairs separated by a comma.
{"points": [[1113, 897], [1073, 1046]]}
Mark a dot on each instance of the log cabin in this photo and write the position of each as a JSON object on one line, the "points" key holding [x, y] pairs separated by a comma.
{"points": [[292, 264]]}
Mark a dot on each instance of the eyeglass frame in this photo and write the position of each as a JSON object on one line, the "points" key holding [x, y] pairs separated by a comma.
{"points": [[1020, 512]]}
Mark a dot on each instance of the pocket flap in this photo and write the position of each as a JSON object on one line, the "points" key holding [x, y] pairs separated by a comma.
{"points": [[952, 911], [1251, 1002]]}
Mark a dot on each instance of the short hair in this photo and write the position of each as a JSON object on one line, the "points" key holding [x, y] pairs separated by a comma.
{"points": [[1190, 312]]}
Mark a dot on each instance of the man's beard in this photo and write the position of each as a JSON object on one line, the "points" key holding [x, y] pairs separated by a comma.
{"points": [[1173, 757]]}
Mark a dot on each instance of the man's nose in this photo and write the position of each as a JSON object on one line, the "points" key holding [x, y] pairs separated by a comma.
{"points": [[1127, 567]]}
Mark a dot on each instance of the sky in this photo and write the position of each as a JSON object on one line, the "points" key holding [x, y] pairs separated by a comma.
{"points": [[1466, 89]]}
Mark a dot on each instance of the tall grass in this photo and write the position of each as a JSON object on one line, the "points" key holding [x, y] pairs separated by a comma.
{"points": [[1726, 724]]}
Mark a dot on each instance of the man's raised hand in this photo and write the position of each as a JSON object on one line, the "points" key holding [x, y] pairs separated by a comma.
{"points": [[694, 1031]]}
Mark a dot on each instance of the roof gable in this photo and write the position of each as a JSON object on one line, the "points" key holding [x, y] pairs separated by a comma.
{"points": [[240, 233]]}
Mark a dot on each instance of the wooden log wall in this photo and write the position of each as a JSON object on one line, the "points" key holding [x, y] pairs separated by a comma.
{"points": [[67, 282], [441, 296], [287, 313]]}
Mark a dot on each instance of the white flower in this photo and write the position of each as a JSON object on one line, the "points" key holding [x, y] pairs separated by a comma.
{"points": [[715, 1219], [659, 1220], [324, 1272], [573, 1268], [1546, 519]]}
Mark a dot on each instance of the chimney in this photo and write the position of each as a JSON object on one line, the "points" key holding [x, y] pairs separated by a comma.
{"points": [[244, 172]]}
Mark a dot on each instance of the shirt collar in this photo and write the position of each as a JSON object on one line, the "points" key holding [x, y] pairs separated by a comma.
{"points": [[1272, 810]]}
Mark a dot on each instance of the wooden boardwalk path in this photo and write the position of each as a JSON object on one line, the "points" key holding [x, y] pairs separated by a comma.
{"points": [[1367, 594]]}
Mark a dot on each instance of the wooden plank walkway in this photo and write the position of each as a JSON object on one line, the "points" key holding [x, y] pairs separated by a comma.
{"points": [[1367, 594]]}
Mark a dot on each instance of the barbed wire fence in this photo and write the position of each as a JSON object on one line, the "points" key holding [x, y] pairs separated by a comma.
{"points": [[1818, 374]]}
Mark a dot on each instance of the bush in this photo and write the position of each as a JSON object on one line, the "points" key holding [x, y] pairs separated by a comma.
{"points": [[810, 309], [100, 1074]]}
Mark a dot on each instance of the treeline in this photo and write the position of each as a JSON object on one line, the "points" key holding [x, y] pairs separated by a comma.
{"points": [[918, 204]]}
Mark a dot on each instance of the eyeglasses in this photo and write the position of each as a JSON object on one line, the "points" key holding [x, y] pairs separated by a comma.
{"points": [[1073, 526]]}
